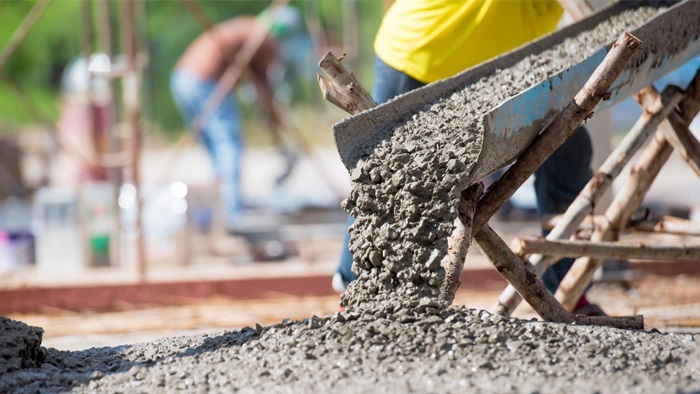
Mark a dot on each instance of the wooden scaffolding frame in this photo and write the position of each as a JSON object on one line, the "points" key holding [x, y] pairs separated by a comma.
{"points": [[672, 111]]}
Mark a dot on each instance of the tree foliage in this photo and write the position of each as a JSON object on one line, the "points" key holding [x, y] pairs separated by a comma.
{"points": [[164, 27]]}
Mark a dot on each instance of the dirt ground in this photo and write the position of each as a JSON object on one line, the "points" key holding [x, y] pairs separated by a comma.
{"points": [[668, 304], [284, 346]]}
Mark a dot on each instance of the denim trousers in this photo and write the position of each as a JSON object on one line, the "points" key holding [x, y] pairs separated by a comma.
{"points": [[557, 182], [220, 134]]}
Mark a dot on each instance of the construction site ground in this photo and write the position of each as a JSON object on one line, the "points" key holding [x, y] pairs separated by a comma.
{"points": [[221, 288], [668, 304], [215, 294]]}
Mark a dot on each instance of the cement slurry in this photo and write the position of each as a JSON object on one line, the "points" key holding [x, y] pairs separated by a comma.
{"points": [[405, 195]]}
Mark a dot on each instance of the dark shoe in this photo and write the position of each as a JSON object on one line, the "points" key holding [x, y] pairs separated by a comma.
{"points": [[585, 308], [590, 310]]}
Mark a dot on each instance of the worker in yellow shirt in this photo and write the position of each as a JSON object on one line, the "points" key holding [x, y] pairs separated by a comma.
{"points": [[423, 41]]}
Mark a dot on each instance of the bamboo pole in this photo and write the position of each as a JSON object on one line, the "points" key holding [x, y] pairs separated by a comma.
{"points": [[599, 184], [459, 242], [614, 250], [627, 201]]}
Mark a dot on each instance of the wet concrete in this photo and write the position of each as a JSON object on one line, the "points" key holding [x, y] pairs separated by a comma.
{"points": [[406, 193], [412, 347], [19, 346]]}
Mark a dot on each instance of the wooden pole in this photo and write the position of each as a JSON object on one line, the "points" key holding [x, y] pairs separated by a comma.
{"points": [[341, 87], [459, 242], [512, 268], [661, 225], [561, 128], [683, 141], [599, 184], [132, 107], [613, 250], [626, 202]]}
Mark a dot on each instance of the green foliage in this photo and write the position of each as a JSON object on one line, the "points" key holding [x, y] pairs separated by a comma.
{"points": [[37, 64], [167, 27]]}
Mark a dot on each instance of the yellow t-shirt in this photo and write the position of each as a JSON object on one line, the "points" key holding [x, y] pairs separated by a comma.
{"points": [[435, 39]]}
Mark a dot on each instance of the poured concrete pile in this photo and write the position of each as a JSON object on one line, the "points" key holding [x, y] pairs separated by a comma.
{"points": [[417, 347], [19, 346], [395, 337]]}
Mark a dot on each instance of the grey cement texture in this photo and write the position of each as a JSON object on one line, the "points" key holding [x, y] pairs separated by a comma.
{"points": [[406, 193], [418, 346], [19, 346]]}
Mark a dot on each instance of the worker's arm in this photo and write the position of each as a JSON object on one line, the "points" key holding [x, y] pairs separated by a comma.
{"points": [[265, 58]]}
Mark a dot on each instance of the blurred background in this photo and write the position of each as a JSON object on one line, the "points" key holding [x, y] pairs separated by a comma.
{"points": [[87, 125]]}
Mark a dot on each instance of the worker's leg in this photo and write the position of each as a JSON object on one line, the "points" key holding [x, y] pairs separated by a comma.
{"points": [[220, 134], [388, 83], [344, 274], [557, 183]]}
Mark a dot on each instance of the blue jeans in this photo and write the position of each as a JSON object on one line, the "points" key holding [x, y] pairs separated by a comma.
{"points": [[220, 134], [557, 182]]}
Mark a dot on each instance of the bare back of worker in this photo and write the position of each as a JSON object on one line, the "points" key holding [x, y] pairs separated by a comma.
{"points": [[211, 53]]}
